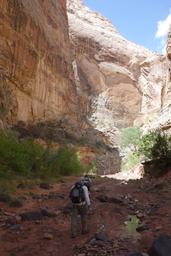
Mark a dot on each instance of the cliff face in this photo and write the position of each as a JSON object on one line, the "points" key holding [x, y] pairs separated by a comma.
{"points": [[78, 83], [168, 86], [169, 45], [119, 80], [39, 95], [36, 75], [164, 119], [161, 119]]}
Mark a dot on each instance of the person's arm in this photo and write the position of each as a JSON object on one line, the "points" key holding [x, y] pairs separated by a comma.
{"points": [[86, 193]]}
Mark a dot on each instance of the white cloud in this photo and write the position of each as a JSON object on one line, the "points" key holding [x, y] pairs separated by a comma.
{"points": [[163, 27], [162, 32]]}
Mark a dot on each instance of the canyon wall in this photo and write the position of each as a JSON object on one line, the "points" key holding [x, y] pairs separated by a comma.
{"points": [[162, 118], [36, 75], [119, 81], [75, 79], [167, 91], [39, 94]]}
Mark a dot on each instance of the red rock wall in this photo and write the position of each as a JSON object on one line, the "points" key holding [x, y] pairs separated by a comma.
{"points": [[36, 77], [169, 45]]}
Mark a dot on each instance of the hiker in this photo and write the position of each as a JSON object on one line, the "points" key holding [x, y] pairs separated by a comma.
{"points": [[87, 181], [79, 196]]}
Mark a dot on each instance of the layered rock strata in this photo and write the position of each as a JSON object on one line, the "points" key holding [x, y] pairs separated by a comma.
{"points": [[162, 119], [119, 80], [36, 75], [39, 94]]}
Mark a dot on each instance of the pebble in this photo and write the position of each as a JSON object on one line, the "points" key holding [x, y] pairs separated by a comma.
{"points": [[158, 228], [48, 236]]}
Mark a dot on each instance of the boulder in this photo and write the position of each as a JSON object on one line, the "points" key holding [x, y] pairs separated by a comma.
{"points": [[161, 246]]}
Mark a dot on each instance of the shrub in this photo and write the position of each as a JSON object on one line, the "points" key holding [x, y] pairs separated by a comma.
{"points": [[91, 169], [68, 162], [131, 160], [130, 137], [18, 157], [30, 160], [154, 145]]}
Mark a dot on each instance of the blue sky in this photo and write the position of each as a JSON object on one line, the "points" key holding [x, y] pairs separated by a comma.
{"points": [[144, 22]]}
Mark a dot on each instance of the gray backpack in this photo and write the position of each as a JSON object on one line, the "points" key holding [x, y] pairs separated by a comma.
{"points": [[77, 193]]}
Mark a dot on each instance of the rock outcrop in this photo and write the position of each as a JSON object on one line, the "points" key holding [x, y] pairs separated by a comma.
{"points": [[80, 83], [169, 45], [165, 115], [162, 118], [119, 80], [36, 75], [39, 95]]}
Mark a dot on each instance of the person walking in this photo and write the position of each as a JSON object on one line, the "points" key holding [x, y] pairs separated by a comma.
{"points": [[80, 199]]}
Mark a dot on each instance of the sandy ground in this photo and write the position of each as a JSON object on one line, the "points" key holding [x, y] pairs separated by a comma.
{"points": [[149, 200]]}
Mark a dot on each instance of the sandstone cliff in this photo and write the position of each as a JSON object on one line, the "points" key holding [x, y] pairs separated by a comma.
{"points": [[120, 82], [164, 119], [36, 76], [38, 92], [81, 88], [161, 119]]}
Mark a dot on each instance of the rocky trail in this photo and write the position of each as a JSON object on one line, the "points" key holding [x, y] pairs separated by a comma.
{"points": [[125, 217]]}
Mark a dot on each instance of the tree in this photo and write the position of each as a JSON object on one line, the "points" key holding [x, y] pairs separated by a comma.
{"points": [[154, 145], [130, 137]]}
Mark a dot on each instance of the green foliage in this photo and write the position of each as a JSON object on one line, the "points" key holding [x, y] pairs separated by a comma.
{"points": [[155, 145], [131, 160], [32, 161], [156, 148], [130, 137], [68, 162], [18, 157], [91, 169], [131, 227]]}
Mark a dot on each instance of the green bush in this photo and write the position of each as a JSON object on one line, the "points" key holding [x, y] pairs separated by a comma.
{"points": [[130, 137], [131, 160], [30, 160], [92, 169], [155, 145], [155, 148], [17, 157], [68, 162]]}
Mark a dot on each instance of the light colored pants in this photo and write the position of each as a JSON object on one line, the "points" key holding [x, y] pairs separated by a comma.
{"points": [[81, 210]]}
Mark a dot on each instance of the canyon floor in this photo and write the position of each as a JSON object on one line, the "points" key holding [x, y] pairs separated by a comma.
{"points": [[119, 209]]}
